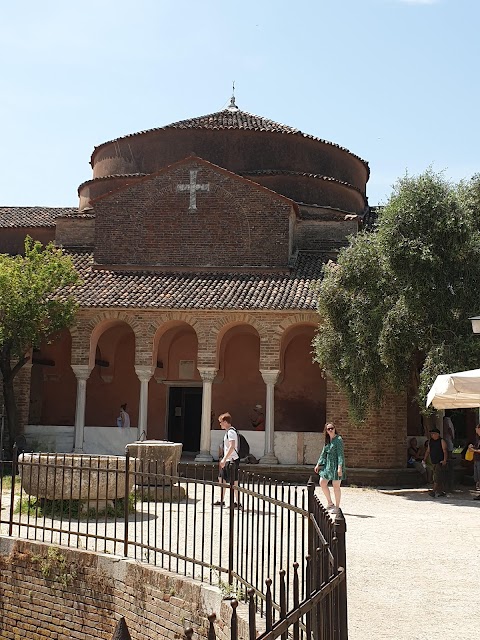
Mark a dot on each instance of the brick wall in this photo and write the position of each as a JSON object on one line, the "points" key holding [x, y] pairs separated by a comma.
{"points": [[59, 593], [312, 235], [378, 443], [75, 232], [236, 223], [12, 240]]}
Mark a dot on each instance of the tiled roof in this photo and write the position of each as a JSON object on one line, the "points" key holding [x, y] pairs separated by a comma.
{"points": [[32, 216], [151, 290], [78, 214], [232, 119], [301, 174], [110, 177]]}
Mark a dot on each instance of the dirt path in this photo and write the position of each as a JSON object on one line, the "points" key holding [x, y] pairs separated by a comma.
{"points": [[413, 564]]}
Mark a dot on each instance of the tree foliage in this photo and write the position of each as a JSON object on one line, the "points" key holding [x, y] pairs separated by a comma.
{"points": [[36, 302], [394, 308]]}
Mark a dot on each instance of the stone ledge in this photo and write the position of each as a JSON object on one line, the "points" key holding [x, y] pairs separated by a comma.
{"points": [[401, 477]]}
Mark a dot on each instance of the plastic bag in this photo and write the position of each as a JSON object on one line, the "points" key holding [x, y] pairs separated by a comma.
{"points": [[468, 455]]}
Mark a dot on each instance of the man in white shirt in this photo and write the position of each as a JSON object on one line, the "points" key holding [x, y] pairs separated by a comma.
{"points": [[229, 463]]}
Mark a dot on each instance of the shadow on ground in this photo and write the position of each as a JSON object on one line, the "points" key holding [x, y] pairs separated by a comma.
{"points": [[462, 496]]}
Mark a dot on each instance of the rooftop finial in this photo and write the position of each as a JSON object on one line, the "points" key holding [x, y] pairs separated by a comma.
{"points": [[232, 106]]}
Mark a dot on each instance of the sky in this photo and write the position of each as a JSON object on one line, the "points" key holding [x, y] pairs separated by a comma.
{"points": [[394, 81]]}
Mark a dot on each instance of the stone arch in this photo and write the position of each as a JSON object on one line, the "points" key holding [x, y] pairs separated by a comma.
{"points": [[301, 391], [289, 331], [221, 325], [167, 332], [111, 360], [239, 385], [53, 383], [103, 321], [176, 381]]}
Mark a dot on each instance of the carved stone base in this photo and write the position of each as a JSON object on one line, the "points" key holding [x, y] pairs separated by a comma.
{"points": [[269, 458], [204, 456]]}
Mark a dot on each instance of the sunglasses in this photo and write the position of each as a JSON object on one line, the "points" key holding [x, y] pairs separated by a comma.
{"points": [[330, 428]]}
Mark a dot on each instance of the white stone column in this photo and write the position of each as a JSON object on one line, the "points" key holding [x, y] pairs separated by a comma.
{"points": [[440, 414], [81, 372], [270, 377], [144, 374], [208, 376]]}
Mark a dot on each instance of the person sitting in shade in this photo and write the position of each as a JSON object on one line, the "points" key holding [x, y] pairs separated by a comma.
{"points": [[415, 457], [123, 420]]}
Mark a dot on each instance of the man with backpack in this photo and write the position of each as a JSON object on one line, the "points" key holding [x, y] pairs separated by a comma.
{"points": [[229, 463]]}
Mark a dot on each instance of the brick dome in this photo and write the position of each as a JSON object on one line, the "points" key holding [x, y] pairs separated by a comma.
{"points": [[306, 169]]}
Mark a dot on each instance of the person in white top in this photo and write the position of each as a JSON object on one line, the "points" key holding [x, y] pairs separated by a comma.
{"points": [[123, 420], [230, 461]]}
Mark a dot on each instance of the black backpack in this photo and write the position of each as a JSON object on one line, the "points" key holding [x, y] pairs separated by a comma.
{"points": [[243, 446]]}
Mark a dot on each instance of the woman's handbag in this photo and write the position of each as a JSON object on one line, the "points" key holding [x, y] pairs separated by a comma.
{"points": [[468, 455]]}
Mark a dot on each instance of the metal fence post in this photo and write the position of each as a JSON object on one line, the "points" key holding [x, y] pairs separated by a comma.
{"points": [[12, 492], [234, 621], [126, 499], [311, 530], [340, 527], [231, 525]]}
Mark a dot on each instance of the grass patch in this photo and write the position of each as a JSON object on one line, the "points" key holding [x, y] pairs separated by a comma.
{"points": [[71, 509], [6, 482]]}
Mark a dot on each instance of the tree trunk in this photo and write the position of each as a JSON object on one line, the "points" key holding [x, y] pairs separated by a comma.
{"points": [[11, 415]]}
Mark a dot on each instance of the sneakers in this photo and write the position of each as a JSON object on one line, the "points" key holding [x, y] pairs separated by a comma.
{"points": [[432, 494], [442, 494], [477, 497], [220, 503]]}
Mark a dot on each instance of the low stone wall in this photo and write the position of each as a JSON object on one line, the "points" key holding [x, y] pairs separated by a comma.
{"points": [[48, 591], [291, 447], [97, 440]]}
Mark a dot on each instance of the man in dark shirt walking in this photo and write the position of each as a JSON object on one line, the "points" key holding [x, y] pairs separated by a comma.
{"points": [[438, 452]]}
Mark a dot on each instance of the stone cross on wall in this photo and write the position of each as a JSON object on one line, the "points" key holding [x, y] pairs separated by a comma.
{"points": [[193, 187]]}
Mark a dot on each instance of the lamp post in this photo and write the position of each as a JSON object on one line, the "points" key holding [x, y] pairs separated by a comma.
{"points": [[475, 324], [476, 329]]}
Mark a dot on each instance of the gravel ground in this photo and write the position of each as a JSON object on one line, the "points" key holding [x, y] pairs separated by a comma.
{"points": [[413, 564]]}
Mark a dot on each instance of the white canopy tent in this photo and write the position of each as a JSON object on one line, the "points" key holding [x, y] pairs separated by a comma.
{"points": [[456, 391]]}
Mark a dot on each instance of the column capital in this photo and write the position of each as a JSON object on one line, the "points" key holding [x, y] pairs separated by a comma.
{"points": [[144, 372], [207, 373], [270, 376], [81, 371]]}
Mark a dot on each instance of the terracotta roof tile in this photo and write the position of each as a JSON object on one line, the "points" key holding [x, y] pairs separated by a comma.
{"points": [[152, 290], [110, 177], [32, 216]]}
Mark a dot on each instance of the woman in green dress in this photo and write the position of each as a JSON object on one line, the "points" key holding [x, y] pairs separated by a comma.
{"points": [[331, 466]]}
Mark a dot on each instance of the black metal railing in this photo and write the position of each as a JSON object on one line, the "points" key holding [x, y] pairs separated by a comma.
{"points": [[279, 547]]}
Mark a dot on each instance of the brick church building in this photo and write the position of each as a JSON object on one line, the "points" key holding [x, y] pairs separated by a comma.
{"points": [[199, 245]]}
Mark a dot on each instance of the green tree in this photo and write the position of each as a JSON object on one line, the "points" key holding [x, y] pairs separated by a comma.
{"points": [[394, 309], [36, 302]]}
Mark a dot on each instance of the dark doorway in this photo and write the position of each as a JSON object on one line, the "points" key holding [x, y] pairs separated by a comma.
{"points": [[185, 417]]}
